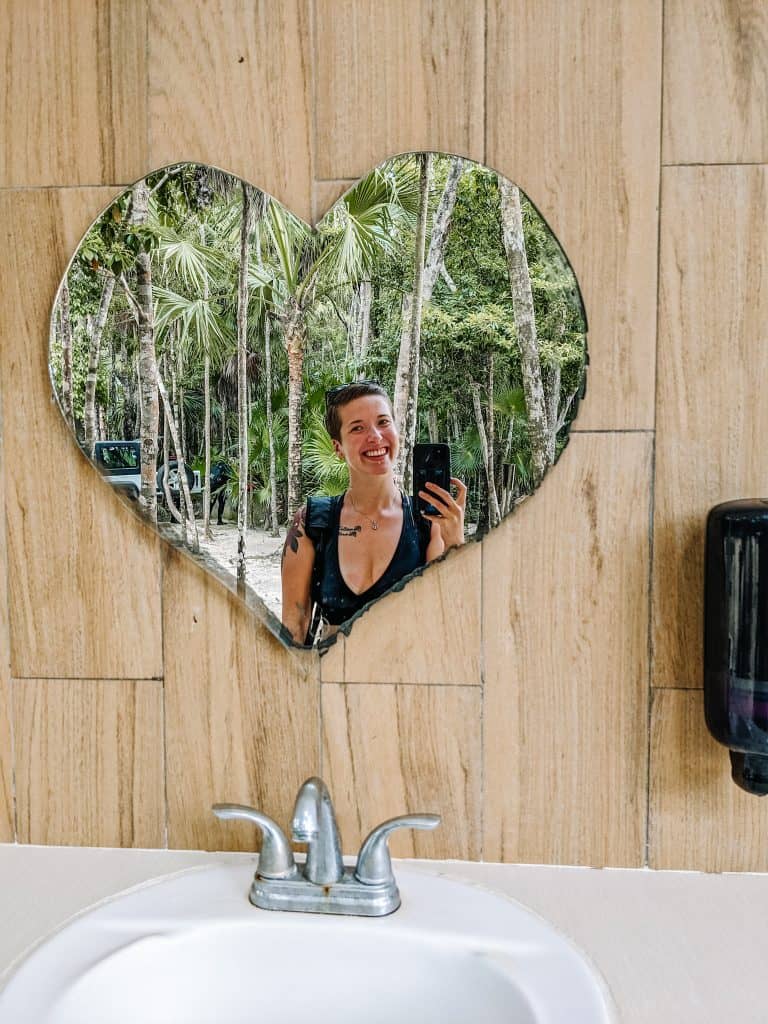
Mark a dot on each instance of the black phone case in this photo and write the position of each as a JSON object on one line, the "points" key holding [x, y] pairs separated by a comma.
{"points": [[431, 462]]}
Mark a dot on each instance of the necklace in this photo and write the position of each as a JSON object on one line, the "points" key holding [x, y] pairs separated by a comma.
{"points": [[374, 522]]}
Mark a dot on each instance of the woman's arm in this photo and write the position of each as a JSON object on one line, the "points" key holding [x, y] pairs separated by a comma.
{"points": [[296, 570]]}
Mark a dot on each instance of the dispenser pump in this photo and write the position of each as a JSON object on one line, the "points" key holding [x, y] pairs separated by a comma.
{"points": [[736, 637]]}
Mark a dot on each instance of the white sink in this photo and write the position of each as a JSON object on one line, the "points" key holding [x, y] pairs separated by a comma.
{"points": [[190, 949]]}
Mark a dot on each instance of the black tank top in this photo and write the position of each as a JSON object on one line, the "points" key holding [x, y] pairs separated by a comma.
{"points": [[329, 590]]}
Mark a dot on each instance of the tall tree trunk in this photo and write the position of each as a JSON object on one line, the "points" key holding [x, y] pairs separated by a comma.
{"points": [[246, 230], [179, 406], [207, 418], [274, 528], [359, 326], [407, 377], [66, 355], [185, 499], [552, 401], [149, 402], [407, 387], [491, 418], [493, 501], [441, 224], [207, 446], [294, 332], [94, 351], [414, 361], [400, 398], [522, 298], [170, 503], [450, 283]]}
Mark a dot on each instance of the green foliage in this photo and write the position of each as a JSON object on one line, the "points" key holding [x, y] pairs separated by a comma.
{"points": [[468, 332]]}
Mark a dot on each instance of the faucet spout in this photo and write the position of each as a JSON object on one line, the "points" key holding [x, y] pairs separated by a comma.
{"points": [[314, 823]]}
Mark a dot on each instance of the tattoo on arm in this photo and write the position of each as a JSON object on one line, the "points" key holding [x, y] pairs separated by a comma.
{"points": [[349, 531], [295, 533]]}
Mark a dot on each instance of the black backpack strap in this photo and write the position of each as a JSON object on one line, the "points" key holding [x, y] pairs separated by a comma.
{"points": [[318, 517], [317, 523], [423, 526]]}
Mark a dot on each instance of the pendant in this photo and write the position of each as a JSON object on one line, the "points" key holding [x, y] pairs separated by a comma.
{"points": [[374, 525]]}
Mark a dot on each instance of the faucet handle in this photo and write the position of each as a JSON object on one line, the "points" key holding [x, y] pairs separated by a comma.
{"points": [[374, 866], [276, 857]]}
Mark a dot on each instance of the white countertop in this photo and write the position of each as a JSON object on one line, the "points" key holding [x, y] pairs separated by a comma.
{"points": [[673, 947]]}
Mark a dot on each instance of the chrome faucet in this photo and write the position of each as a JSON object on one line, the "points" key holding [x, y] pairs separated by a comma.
{"points": [[314, 823], [325, 886]]}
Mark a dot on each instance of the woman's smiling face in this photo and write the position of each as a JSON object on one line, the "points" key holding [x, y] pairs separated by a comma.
{"points": [[369, 439]]}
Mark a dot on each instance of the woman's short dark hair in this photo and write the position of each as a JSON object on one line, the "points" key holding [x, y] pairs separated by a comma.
{"points": [[339, 396]]}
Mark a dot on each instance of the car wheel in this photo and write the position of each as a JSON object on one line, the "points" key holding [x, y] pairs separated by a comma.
{"points": [[173, 477]]}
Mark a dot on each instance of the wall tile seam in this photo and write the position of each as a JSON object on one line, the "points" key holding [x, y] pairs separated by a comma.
{"points": [[87, 679], [647, 827], [313, 145], [413, 685], [6, 679], [718, 163], [70, 188], [677, 689], [163, 723]]}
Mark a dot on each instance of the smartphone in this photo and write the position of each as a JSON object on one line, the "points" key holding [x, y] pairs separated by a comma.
{"points": [[431, 462]]}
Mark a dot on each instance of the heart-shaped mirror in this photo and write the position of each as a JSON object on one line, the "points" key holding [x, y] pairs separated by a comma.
{"points": [[321, 413]]}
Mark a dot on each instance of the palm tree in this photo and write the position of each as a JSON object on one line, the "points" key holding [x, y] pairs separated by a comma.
{"points": [[143, 309], [246, 230], [312, 267], [203, 331]]}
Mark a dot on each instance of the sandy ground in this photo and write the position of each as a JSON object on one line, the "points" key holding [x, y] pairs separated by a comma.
{"points": [[262, 558]]}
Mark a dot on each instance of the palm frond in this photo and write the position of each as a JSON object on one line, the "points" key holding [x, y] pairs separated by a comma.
{"points": [[320, 461]]}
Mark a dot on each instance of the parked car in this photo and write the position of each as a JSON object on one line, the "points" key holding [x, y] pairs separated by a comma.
{"points": [[120, 463]]}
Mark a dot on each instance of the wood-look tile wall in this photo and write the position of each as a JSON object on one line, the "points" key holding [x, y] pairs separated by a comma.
{"points": [[543, 691]]}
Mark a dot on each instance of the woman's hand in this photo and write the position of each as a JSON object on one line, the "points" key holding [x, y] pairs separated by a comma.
{"points": [[448, 527]]}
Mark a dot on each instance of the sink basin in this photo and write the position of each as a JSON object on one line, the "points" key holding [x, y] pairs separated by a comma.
{"points": [[190, 949]]}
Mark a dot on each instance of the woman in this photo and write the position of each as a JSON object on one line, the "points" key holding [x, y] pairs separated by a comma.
{"points": [[341, 553]]}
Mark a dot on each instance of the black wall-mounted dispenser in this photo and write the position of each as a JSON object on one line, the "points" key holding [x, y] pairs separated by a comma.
{"points": [[736, 637]]}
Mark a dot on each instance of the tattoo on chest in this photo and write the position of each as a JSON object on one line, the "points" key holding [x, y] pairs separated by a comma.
{"points": [[295, 533], [349, 531]]}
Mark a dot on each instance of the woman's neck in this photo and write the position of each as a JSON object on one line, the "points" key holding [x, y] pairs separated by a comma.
{"points": [[373, 493]]}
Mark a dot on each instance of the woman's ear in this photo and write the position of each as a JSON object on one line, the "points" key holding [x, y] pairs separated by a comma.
{"points": [[338, 449]]}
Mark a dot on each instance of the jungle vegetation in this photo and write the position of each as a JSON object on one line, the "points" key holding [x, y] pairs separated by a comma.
{"points": [[200, 316]]}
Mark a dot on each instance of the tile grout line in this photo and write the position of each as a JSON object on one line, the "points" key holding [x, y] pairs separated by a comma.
{"points": [[147, 113], [652, 489], [86, 679], [400, 682], [719, 163], [312, 83], [481, 823], [66, 188], [164, 722], [8, 684]]}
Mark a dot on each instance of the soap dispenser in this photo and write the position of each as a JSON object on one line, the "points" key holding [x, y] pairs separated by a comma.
{"points": [[736, 637]]}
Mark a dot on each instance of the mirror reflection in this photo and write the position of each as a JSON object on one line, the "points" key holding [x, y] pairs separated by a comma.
{"points": [[321, 412]]}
